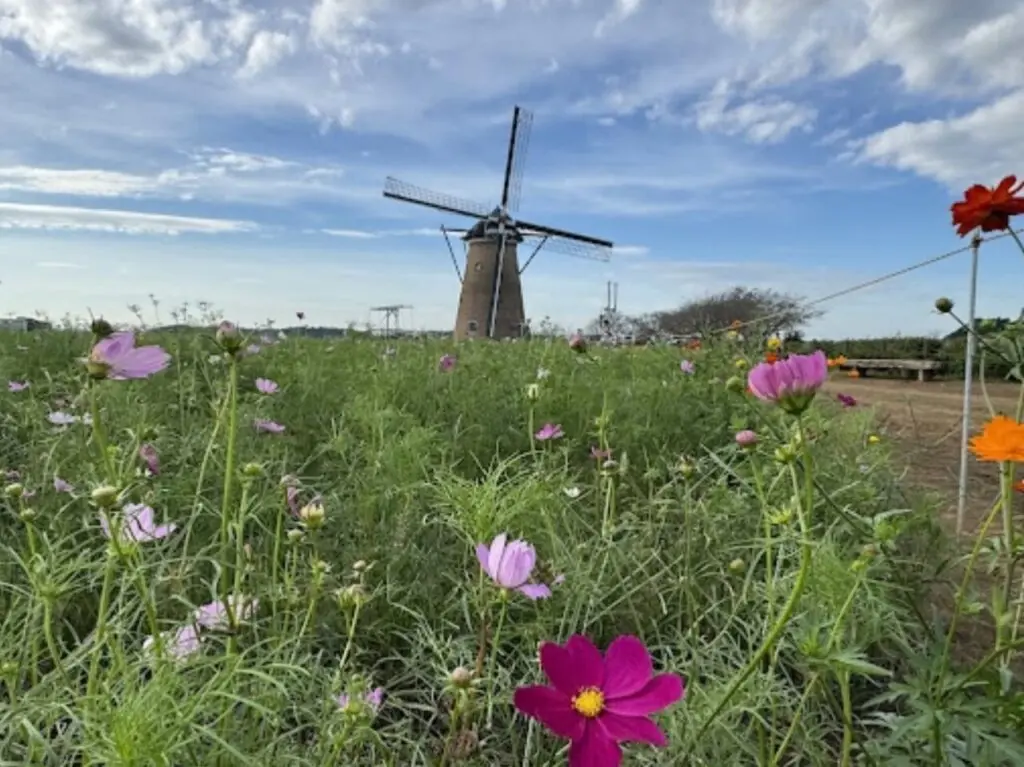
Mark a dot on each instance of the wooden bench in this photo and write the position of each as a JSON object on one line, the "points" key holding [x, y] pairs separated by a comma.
{"points": [[926, 369]]}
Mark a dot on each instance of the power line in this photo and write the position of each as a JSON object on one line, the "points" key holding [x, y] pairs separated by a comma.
{"points": [[876, 281]]}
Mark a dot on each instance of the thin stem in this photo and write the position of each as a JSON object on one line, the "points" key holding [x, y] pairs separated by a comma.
{"points": [[804, 510], [229, 479], [492, 667], [99, 436], [350, 639], [101, 625]]}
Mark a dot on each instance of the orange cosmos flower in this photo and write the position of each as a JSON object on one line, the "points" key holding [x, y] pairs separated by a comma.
{"points": [[835, 362], [988, 208], [1001, 439], [854, 373]]}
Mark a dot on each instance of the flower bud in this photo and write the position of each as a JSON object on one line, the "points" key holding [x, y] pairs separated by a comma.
{"points": [[533, 392], [943, 305], [351, 596], [27, 515], [746, 438], [228, 338], [14, 491], [461, 677], [312, 515], [577, 343], [105, 496], [359, 566], [101, 329], [785, 454], [686, 468], [737, 566], [252, 469], [735, 384]]}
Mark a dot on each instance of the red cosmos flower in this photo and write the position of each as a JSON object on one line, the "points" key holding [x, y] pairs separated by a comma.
{"points": [[988, 208], [598, 702]]}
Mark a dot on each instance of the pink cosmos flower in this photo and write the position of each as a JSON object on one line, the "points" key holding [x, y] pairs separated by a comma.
{"points": [[598, 703], [578, 343], [599, 454], [16, 386], [148, 454], [62, 486], [266, 386], [215, 614], [267, 426], [374, 699], [60, 418], [687, 367], [790, 383], [510, 565], [846, 400], [179, 644], [549, 431], [137, 525], [746, 438], [121, 360], [446, 363]]}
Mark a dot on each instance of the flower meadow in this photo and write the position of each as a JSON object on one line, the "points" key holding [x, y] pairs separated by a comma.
{"points": [[223, 548]]}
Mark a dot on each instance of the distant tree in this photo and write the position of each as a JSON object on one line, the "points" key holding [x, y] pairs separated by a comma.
{"points": [[773, 312]]}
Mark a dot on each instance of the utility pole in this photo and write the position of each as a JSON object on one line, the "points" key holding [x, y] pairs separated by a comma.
{"points": [[390, 312]]}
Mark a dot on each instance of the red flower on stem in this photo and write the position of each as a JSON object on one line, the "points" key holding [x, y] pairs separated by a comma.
{"points": [[988, 208], [598, 703]]}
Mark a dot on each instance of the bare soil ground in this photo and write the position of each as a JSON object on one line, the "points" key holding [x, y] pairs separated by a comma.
{"points": [[924, 421]]}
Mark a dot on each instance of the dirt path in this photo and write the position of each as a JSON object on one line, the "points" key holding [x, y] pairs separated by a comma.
{"points": [[924, 419]]}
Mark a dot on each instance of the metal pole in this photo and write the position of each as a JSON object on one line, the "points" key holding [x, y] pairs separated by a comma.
{"points": [[965, 433]]}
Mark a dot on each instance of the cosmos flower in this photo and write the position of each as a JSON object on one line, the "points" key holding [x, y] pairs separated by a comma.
{"points": [[373, 700], [266, 386], [214, 615], [62, 486], [790, 383], [687, 367], [179, 644], [746, 438], [148, 454], [510, 565], [846, 400], [1001, 439], [988, 208], [446, 363], [118, 359], [266, 426], [137, 525], [599, 702], [16, 386], [549, 431]]}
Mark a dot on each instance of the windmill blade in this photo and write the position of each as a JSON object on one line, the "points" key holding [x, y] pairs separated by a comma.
{"points": [[526, 228], [572, 246], [519, 144], [400, 190]]}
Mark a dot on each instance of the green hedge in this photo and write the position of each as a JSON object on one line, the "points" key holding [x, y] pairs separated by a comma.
{"points": [[950, 351]]}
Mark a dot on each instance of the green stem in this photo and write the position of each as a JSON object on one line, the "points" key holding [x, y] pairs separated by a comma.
{"points": [[844, 691], [100, 437], [101, 625], [804, 510], [493, 665], [229, 480], [51, 641], [350, 638]]}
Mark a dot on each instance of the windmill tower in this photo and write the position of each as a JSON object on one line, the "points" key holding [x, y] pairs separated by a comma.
{"points": [[491, 301]]}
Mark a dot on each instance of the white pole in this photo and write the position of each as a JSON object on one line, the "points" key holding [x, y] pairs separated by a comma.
{"points": [[965, 433]]}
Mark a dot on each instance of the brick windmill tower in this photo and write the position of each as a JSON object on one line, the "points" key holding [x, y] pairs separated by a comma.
{"points": [[491, 301]]}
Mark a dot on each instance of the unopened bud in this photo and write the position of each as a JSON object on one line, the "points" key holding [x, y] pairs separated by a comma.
{"points": [[533, 392], [785, 454], [295, 535], [312, 515], [359, 566], [252, 470], [737, 566], [27, 515], [101, 329], [944, 305], [228, 337], [14, 490], [351, 596], [735, 384], [105, 496], [461, 677], [686, 468]]}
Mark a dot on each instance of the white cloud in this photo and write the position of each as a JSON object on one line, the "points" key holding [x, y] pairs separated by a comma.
{"points": [[765, 120], [353, 234], [266, 50], [55, 217]]}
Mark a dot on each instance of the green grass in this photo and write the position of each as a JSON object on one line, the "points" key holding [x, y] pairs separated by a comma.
{"points": [[415, 466]]}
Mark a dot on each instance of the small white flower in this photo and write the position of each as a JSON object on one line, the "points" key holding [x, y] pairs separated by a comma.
{"points": [[572, 492], [542, 373]]}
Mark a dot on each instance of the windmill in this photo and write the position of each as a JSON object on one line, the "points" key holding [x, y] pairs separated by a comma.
{"points": [[390, 312], [491, 300]]}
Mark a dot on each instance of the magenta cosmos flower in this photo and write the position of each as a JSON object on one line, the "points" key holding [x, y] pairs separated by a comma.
{"points": [[598, 703], [790, 383], [268, 427], [846, 400], [266, 386], [510, 565], [149, 456], [118, 358], [138, 525], [373, 699], [549, 431], [446, 363]]}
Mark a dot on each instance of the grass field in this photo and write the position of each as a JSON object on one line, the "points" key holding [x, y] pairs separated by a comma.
{"points": [[787, 582]]}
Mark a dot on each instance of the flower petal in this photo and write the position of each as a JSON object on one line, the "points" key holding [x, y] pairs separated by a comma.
{"points": [[627, 667], [551, 708], [534, 591], [482, 553], [594, 749], [638, 729], [587, 660], [516, 564], [497, 551], [661, 692]]}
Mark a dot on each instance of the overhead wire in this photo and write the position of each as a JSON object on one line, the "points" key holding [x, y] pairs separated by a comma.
{"points": [[871, 283]]}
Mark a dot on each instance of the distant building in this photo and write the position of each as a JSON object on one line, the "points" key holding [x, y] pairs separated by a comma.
{"points": [[24, 324]]}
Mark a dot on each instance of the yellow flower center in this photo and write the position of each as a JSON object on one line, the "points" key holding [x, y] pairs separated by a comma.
{"points": [[589, 702]]}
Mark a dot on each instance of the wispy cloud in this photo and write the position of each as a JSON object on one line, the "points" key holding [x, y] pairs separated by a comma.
{"points": [[23, 216]]}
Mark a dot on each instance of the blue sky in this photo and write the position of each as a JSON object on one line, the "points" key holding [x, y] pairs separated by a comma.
{"points": [[234, 151]]}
